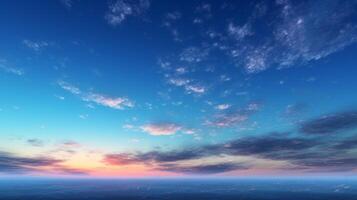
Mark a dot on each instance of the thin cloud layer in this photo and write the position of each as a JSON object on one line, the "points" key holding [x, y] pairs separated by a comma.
{"points": [[36, 45], [35, 142], [115, 103], [302, 153], [161, 128], [233, 116], [331, 123], [203, 169], [12, 164], [4, 66]]}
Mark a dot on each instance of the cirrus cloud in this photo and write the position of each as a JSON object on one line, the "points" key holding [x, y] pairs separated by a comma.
{"points": [[104, 100]]}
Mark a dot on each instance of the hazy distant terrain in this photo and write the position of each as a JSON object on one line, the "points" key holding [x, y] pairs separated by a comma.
{"points": [[179, 189]]}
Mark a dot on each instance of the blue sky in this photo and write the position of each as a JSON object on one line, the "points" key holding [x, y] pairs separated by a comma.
{"points": [[156, 88]]}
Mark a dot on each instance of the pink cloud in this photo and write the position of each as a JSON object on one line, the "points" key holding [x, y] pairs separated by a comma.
{"points": [[161, 128]]}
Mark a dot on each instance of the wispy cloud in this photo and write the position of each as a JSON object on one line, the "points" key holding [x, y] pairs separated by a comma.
{"points": [[120, 159], [194, 54], [70, 144], [13, 164], [4, 66], [35, 45], [115, 103], [59, 97], [173, 15], [170, 22], [179, 81], [35, 142], [239, 32], [222, 106], [229, 117], [120, 10], [161, 128], [128, 126], [83, 116], [294, 111], [188, 85], [195, 89], [203, 168], [297, 35], [70, 88], [67, 3]]}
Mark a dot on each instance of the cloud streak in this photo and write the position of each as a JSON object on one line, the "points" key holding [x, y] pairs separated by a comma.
{"points": [[203, 169], [35, 45], [4, 66], [157, 129], [111, 102], [331, 123], [12, 164], [35, 142]]}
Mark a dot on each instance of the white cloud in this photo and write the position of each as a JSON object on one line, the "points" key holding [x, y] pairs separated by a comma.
{"points": [[253, 107], [196, 89], [4, 66], [189, 87], [128, 126], [59, 97], [224, 78], [179, 81], [181, 70], [70, 88], [194, 54], [83, 116], [239, 32], [222, 106], [189, 131], [164, 64], [115, 103], [35, 45], [299, 34]]}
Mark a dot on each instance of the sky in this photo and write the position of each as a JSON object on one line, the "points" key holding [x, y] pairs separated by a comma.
{"points": [[144, 88]]}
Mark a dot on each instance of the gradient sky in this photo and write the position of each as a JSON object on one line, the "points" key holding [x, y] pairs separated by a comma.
{"points": [[134, 88]]}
